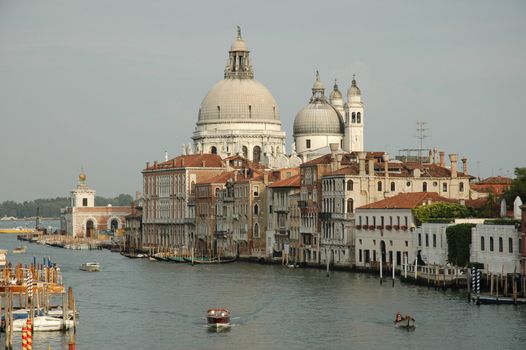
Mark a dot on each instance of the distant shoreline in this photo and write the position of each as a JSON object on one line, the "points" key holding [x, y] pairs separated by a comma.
{"points": [[28, 218]]}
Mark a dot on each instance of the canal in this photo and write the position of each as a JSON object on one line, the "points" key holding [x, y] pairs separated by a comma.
{"points": [[139, 304]]}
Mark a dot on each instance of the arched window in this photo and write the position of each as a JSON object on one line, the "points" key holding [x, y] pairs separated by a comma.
{"points": [[491, 244], [256, 209], [510, 245], [353, 117], [393, 187], [379, 185], [358, 117], [245, 152], [256, 154], [461, 187], [424, 187], [482, 243], [350, 205], [114, 225], [256, 230], [500, 245], [218, 112], [213, 150], [349, 185], [249, 111]]}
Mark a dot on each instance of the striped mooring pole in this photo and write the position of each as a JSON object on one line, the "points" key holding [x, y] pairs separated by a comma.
{"points": [[29, 284], [24, 337], [475, 284], [29, 337]]}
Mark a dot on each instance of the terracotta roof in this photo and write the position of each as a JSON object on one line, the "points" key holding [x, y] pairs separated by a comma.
{"points": [[476, 203], [221, 178], [496, 180], [190, 161], [293, 181], [406, 201]]}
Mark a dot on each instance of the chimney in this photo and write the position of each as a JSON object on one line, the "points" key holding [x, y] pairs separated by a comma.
{"points": [[435, 153], [465, 166], [155, 164], [235, 175], [442, 161], [385, 158], [203, 163], [371, 167], [339, 158], [453, 158], [182, 161], [147, 165], [334, 161], [361, 158], [265, 178]]}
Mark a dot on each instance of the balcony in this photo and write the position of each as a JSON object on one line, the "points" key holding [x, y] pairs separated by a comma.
{"points": [[284, 210], [302, 204], [283, 232], [325, 215], [221, 234]]}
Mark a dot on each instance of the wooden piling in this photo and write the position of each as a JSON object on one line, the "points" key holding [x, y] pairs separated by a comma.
{"points": [[491, 284]]}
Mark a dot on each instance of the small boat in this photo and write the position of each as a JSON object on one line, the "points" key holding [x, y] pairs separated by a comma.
{"points": [[43, 324], [406, 322], [20, 250], [92, 266], [207, 261], [177, 259], [218, 318]]}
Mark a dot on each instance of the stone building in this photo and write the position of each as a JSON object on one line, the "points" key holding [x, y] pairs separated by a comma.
{"points": [[133, 229], [283, 219], [324, 121], [84, 219], [239, 115], [168, 193], [496, 247]]}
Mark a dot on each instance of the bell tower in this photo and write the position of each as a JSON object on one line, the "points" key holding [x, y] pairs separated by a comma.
{"points": [[354, 119], [82, 196]]}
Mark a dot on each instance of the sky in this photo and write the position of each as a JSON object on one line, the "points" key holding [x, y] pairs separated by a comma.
{"points": [[108, 85]]}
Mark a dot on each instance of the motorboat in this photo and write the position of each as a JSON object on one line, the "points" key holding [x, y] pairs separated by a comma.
{"points": [[406, 322], [20, 250], [218, 318], [92, 266], [43, 324]]}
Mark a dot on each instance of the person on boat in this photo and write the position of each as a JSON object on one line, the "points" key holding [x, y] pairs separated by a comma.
{"points": [[398, 317]]}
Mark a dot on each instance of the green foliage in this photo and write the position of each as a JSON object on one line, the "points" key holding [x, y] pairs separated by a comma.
{"points": [[442, 211], [489, 210], [50, 207], [502, 221], [518, 187], [458, 241]]}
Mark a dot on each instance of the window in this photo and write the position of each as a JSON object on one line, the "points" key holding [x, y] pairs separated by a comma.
{"points": [[256, 230], [461, 187], [379, 185], [360, 255], [419, 239], [256, 191], [393, 186], [500, 245], [353, 117], [213, 150], [250, 111], [256, 154], [84, 202], [434, 240], [427, 240], [358, 117], [444, 187], [405, 221], [424, 187], [349, 185], [482, 243], [510, 245], [350, 205], [491, 244], [307, 143], [256, 209]]}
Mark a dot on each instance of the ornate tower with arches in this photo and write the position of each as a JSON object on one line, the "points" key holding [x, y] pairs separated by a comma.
{"points": [[354, 119]]}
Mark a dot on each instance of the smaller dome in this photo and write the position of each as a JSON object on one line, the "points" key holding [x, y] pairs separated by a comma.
{"points": [[318, 118], [335, 94], [354, 90], [239, 45], [318, 85]]}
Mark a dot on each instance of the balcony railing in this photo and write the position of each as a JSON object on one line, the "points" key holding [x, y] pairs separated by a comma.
{"points": [[283, 232], [302, 204]]}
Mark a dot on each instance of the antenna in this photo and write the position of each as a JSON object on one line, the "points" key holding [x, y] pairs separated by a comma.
{"points": [[421, 135]]}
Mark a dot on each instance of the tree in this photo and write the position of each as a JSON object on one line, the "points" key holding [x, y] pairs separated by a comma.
{"points": [[518, 187], [441, 211]]}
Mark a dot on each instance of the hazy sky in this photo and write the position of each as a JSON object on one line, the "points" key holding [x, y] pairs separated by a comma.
{"points": [[111, 84]]}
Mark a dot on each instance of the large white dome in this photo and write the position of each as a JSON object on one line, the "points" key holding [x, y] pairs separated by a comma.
{"points": [[243, 100], [318, 119]]}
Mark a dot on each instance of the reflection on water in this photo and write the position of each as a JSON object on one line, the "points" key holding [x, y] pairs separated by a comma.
{"points": [[139, 304]]}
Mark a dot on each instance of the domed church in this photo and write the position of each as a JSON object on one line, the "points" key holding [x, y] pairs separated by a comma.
{"points": [[324, 121], [239, 115]]}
